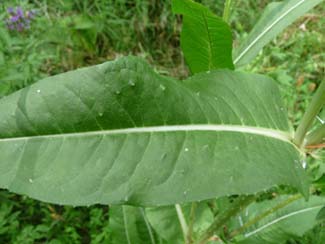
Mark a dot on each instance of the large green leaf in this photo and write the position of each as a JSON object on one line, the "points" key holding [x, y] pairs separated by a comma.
{"points": [[276, 17], [129, 225], [206, 39], [120, 133], [289, 222]]}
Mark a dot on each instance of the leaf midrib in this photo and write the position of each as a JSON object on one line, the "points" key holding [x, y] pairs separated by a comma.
{"points": [[272, 133]]}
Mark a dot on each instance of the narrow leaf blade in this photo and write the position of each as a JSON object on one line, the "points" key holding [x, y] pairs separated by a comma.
{"points": [[275, 18]]}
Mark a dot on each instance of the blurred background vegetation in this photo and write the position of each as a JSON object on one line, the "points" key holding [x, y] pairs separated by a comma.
{"points": [[67, 34]]}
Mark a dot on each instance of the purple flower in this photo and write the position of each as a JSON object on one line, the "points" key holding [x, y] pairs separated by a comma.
{"points": [[14, 18], [10, 10], [19, 12], [18, 19]]}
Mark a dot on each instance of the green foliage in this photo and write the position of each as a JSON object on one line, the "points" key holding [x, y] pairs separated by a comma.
{"points": [[26, 221], [69, 34]]}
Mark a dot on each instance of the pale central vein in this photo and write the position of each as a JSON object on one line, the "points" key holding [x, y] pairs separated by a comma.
{"points": [[277, 134]]}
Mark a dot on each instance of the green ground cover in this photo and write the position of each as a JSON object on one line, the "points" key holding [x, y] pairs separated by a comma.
{"points": [[65, 35]]}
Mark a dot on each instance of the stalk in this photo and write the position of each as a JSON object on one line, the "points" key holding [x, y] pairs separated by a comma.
{"points": [[313, 109], [182, 221], [264, 214], [227, 11], [191, 223], [221, 219], [316, 137]]}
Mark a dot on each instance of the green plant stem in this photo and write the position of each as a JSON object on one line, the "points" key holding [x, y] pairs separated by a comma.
{"points": [[227, 11], [264, 214], [313, 109], [182, 221], [316, 137], [152, 238], [239, 204], [191, 223]]}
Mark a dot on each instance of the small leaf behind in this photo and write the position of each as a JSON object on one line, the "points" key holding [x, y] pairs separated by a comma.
{"points": [[129, 225], [206, 40]]}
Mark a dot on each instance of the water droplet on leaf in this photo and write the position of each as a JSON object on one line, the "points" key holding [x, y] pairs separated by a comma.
{"points": [[304, 164]]}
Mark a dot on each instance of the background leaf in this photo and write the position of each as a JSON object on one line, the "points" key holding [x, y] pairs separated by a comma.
{"points": [[276, 17], [164, 221], [291, 221], [206, 39], [129, 225], [120, 133]]}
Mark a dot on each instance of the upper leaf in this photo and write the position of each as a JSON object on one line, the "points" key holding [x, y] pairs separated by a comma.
{"points": [[276, 17], [120, 133], [206, 40]]}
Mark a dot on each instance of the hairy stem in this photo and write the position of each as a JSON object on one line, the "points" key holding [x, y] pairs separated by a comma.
{"points": [[227, 11], [316, 137], [191, 223], [182, 220], [313, 109], [239, 204], [264, 214]]}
